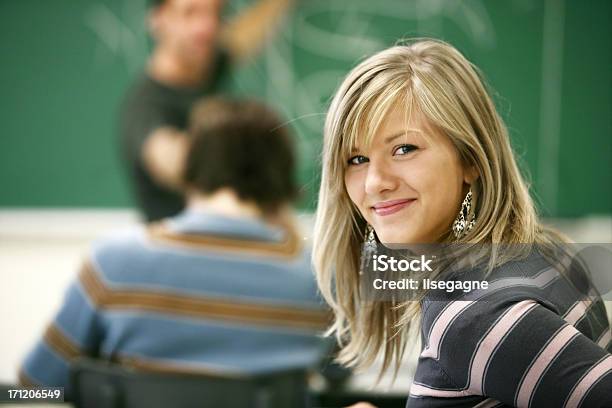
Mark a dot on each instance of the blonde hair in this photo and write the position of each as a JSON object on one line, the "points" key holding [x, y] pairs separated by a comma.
{"points": [[434, 78]]}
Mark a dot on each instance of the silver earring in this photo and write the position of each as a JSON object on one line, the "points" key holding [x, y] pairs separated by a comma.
{"points": [[368, 249], [462, 224]]}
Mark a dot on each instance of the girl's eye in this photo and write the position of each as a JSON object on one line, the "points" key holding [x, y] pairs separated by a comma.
{"points": [[355, 160], [404, 149]]}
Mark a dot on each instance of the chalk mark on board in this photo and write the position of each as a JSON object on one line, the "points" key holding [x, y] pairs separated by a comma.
{"points": [[116, 34]]}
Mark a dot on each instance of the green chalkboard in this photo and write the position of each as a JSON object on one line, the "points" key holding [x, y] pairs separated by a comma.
{"points": [[66, 64]]}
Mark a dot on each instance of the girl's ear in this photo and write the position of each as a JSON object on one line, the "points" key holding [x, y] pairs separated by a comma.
{"points": [[470, 174]]}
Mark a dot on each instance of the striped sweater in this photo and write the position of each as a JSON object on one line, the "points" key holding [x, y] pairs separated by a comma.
{"points": [[198, 293], [527, 341]]}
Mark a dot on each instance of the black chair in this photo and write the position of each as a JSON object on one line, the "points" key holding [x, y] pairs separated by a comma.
{"points": [[97, 384]]}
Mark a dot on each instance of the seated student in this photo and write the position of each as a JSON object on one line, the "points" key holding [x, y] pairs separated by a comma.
{"points": [[224, 287]]}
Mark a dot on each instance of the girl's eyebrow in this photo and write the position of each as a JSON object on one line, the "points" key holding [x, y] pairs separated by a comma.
{"points": [[394, 136]]}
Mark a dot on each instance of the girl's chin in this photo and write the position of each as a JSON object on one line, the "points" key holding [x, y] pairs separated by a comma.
{"points": [[397, 239]]}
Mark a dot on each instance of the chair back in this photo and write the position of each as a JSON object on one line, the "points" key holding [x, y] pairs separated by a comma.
{"points": [[98, 384]]}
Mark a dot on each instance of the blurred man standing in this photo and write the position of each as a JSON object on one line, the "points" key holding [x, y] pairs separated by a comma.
{"points": [[193, 52]]}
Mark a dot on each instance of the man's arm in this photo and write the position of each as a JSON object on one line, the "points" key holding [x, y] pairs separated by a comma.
{"points": [[163, 155], [151, 143], [245, 35]]}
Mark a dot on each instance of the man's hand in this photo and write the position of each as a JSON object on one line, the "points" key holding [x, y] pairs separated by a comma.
{"points": [[245, 35], [164, 154]]}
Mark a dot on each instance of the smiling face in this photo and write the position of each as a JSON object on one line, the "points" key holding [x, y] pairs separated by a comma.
{"points": [[408, 183]]}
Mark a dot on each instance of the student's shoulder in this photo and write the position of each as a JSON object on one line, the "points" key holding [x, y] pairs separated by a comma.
{"points": [[513, 287], [120, 239], [120, 248]]}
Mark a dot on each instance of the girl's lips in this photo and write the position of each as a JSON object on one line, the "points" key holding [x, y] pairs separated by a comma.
{"points": [[391, 207]]}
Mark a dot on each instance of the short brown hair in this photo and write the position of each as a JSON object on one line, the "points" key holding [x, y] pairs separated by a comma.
{"points": [[243, 145]]}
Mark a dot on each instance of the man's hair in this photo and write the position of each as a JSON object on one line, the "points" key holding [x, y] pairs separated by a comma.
{"points": [[243, 145]]}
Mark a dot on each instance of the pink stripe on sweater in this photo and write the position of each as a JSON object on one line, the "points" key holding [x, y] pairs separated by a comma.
{"points": [[436, 334], [544, 359], [493, 338], [596, 373], [488, 403], [444, 320], [419, 390], [604, 339], [577, 311]]}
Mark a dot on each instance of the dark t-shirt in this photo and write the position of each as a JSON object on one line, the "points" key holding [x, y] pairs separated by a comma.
{"points": [[147, 106]]}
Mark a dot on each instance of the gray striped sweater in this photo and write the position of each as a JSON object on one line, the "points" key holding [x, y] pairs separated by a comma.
{"points": [[527, 341]]}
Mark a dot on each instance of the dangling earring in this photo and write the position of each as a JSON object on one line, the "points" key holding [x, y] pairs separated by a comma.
{"points": [[368, 249], [462, 226]]}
